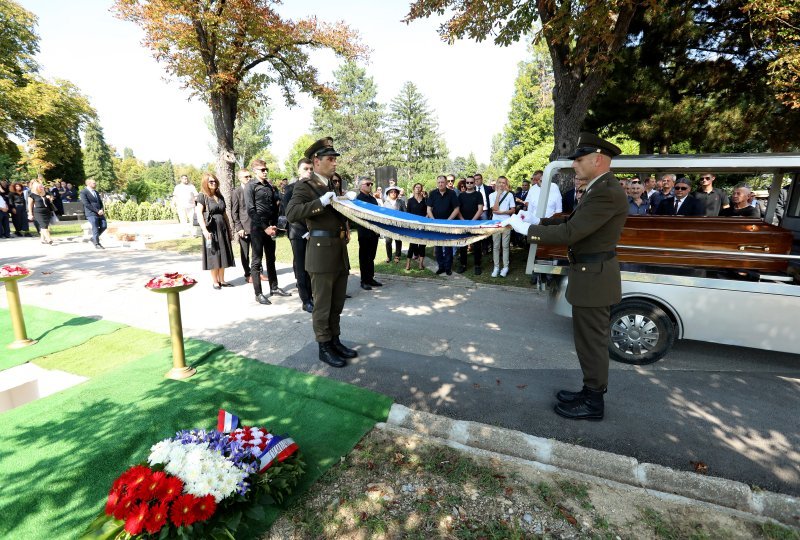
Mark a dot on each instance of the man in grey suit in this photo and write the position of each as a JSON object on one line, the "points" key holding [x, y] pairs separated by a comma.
{"points": [[591, 231]]}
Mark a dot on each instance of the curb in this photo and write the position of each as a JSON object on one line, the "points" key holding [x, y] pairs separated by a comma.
{"points": [[597, 463]]}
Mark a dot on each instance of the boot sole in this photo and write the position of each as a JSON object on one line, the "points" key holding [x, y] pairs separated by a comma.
{"points": [[595, 418]]}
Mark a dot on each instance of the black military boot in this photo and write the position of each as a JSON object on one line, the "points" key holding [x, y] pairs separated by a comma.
{"points": [[566, 396], [588, 407], [328, 355], [341, 350]]}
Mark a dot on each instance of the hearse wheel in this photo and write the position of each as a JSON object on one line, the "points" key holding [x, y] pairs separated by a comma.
{"points": [[641, 332]]}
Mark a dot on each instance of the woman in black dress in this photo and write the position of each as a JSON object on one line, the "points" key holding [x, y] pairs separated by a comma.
{"points": [[418, 206], [40, 210], [20, 214], [217, 250]]}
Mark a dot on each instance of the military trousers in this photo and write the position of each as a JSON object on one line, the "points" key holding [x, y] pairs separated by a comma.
{"points": [[329, 290], [590, 326]]}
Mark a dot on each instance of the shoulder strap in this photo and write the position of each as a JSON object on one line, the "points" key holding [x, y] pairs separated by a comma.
{"points": [[503, 198]]}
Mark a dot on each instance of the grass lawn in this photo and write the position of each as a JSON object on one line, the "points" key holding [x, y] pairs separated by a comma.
{"points": [[283, 253], [62, 228]]}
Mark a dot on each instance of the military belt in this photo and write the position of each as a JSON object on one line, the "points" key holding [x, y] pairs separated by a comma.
{"points": [[577, 258], [319, 233]]}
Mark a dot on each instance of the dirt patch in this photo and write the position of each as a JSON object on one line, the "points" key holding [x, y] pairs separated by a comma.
{"points": [[393, 486]]}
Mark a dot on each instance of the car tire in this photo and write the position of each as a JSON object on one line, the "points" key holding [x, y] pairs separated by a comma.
{"points": [[640, 332]]}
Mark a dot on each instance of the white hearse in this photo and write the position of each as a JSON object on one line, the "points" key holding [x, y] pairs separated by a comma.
{"points": [[663, 303]]}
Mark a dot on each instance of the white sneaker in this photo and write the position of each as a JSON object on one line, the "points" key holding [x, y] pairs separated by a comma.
{"points": [[496, 271], [504, 272]]}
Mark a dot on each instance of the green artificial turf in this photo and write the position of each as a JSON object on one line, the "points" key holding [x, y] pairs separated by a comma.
{"points": [[54, 330], [59, 455]]}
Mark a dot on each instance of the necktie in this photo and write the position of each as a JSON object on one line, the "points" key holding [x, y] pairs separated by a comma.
{"points": [[677, 205]]}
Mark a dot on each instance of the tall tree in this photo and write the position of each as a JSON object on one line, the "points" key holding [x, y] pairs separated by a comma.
{"points": [[583, 36], [415, 142], [97, 161], [356, 123], [214, 47], [251, 133], [296, 153]]}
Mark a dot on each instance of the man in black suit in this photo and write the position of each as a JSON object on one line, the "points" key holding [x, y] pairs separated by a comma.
{"points": [[241, 222], [681, 204], [485, 191], [297, 233], [93, 210], [367, 241]]}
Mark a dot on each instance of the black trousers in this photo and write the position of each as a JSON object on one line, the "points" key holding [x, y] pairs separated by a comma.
{"points": [[590, 326], [416, 249], [299, 264], [476, 252], [244, 250], [398, 248], [367, 248], [262, 245]]}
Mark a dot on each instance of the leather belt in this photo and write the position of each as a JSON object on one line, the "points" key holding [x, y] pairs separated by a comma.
{"points": [[590, 257], [319, 233]]}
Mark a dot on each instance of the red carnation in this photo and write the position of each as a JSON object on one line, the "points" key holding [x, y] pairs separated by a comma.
{"points": [[124, 506], [170, 488], [152, 487], [204, 507], [135, 522], [182, 511], [157, 517], [113, 500], [134, 477]]}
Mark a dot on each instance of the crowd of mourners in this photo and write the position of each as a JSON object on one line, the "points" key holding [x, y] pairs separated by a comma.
{"points": [[36, 202]]}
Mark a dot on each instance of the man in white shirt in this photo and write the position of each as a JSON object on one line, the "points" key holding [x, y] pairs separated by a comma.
{"points": [[532, 200], [503, 206], [183, 200]]}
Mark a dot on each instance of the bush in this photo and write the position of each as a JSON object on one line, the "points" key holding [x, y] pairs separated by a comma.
{"points": [[130, 211], [143, 212]]}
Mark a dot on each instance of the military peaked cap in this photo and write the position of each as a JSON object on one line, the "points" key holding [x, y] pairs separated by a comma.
{"points": [[323, 147], [589, 143]]}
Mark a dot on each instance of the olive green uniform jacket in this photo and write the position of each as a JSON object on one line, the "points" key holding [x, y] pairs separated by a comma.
{"points": [[323, 254], [593, 227]]}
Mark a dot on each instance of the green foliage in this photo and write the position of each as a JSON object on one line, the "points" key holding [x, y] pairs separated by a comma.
{"points": [[416, 145], [160, 178], [297, 153], [130, 211], [356, 123], [143, 211], [530, 120], [527, 164], [97, 158]]}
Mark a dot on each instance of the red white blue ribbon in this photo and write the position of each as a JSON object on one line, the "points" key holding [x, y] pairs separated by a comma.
{"points": [[226, 422], [278, 448]]}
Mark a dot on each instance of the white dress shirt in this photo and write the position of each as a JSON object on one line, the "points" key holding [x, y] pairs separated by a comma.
{"points": [[554, 203]]}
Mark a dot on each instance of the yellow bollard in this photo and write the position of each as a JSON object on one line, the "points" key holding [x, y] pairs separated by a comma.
{"points": [[17, 320], [179, 368]]}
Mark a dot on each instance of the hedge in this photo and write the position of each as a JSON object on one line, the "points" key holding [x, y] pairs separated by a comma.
{"points": [[130, 211]]}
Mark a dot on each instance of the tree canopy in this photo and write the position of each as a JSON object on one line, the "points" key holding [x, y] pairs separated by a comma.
{"points": [[97, 162]]}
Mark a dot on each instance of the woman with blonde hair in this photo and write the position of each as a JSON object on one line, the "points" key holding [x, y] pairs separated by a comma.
{"points": [[217, 250], [40, 210]]}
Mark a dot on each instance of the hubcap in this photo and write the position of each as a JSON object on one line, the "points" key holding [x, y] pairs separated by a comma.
{"points": [[634, 334]]}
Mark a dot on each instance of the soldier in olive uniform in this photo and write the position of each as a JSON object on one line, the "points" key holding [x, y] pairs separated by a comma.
{"points": [[591, 231], [326, 251]]}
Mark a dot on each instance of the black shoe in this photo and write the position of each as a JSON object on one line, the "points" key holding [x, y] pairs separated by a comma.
{"points": [[216, 286], [477, 270], [449, 272], [261, 299], [225, 284], [375, 283], [279, 292], [328, 355], [440, 271], [566, 396], [309, 307], [98, 246], [588, 407], [347, 296], [366, 287], [461, 269], [342, 350]]}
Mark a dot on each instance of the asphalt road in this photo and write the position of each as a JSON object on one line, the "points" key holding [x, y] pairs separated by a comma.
{"points": [[488, 354]]}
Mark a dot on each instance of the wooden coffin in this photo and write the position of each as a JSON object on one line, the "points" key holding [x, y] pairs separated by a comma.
{"points": [[697, 242]]}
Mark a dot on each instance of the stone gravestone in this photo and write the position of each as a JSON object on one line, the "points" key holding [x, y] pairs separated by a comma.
{"points": [[383, 175]]}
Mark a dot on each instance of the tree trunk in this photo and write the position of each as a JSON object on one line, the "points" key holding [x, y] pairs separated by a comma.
{"points": [[223, 112]]}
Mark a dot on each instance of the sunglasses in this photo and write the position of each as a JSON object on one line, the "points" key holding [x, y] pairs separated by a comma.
{"points": [[367, 184], [470, 183], [684, 188], [212, 181], [705, 178], [262, 170], [581, 191]]}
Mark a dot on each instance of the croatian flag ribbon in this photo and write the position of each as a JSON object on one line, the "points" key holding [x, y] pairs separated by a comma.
{"points": [[226, 422], [278, 448]]}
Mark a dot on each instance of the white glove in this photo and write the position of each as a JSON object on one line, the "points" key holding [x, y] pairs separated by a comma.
{"points": [[516, 223], [528, 217], [326, 199], [352, 195]]}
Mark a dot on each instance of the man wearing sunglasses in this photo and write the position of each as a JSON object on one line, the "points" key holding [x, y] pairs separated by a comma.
{"points": [[681, 204], [713, 199], [326, 253], [262, 201]]}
